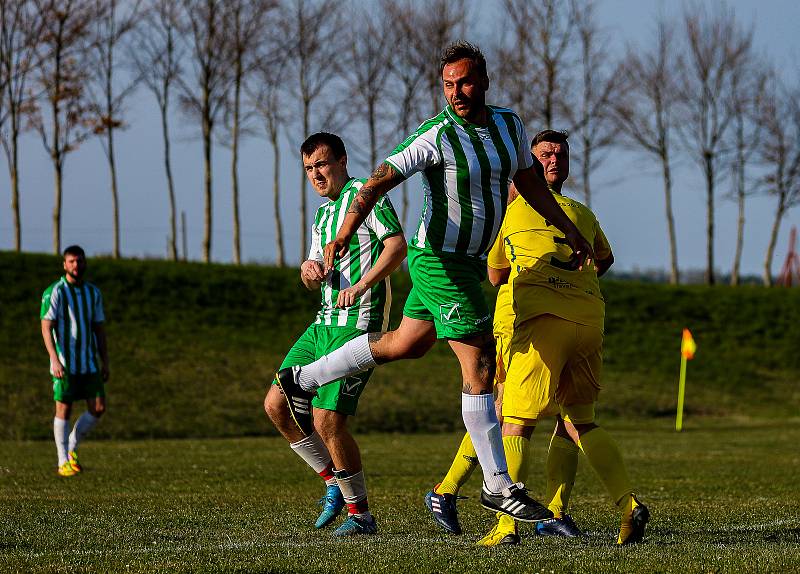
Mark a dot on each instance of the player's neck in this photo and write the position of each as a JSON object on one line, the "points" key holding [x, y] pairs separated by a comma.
{"points": [[555, 187], [72, 281], [333, 196]]}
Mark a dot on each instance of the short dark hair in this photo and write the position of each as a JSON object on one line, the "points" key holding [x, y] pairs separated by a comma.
{"points": [[75, 250], [324, 138], [463, 50], [552, 136]]}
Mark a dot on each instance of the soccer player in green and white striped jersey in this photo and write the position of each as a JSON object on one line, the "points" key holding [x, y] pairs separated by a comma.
{"points": [[355, 299], [72, 328], [468, 155]]}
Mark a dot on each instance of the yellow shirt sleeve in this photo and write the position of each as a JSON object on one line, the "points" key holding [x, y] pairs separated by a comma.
{"points": [[497, 254], [602, 248]]}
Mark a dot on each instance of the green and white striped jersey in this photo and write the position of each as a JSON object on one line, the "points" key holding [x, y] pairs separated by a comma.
{"points": [[74, 308], [466, 170], [371, 313]]}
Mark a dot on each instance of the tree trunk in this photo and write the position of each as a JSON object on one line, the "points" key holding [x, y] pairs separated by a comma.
{"points": [[304, 180], [276, 204], [373, 139], [709, 172], [674, 276], [773, 239], [237, 254], [740, 197], [14, 172], [112, 166], [173, 244], [57, 209], [207, 180], [586, 169]]}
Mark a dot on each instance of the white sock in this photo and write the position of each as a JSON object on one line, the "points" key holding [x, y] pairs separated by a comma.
{"points": [[83, 425], [61, 434], [312, 450], [351, 358], [354, 491], [483, 427]]}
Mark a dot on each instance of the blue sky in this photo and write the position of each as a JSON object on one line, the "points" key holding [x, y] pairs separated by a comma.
{"points": [[628, 194]]}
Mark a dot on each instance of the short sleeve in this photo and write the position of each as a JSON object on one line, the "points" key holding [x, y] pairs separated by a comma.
{"points": [[418, 152], [51, 302], [98, 315], [524, 156], [383, 219], [602, 248], [497, 254], [315, 253]]}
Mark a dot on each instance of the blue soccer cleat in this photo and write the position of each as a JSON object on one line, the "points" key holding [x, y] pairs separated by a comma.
{"points": [[443, 508], [564, 527], [355, 525], [332, 504]]}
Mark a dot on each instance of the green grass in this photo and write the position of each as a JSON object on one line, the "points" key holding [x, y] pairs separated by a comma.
{"points": [[723, 498], [193, 347]]}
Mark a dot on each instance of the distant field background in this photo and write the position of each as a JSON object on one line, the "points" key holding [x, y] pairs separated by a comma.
{"points": [[194, 346]]}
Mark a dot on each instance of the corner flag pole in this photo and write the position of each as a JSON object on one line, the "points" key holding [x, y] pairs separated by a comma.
{"points": [[688, 348]]}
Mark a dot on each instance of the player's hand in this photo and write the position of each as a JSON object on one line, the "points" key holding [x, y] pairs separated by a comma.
{"points": [[105, 372], [582, 252], [56, 368], [333, 251], [312, 271], [348, 297]]}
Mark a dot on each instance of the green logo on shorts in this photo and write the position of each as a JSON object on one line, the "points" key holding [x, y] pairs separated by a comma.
{"points": [[449, 313]]}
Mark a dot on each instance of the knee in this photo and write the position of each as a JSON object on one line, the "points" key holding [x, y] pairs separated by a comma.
{"points": [[97, 410], [274, 405]]}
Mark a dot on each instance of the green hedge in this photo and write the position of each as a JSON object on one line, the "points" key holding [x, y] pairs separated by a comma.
{"points": [[194, 346]]}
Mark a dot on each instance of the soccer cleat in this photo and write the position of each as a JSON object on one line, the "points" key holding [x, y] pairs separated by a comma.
{"points": [[500, 536], [299, 400], [332, 504], [632, 529], [66, 470], [73, 461], [564, 527], [515, 502], [357, 525], [443, 508]]}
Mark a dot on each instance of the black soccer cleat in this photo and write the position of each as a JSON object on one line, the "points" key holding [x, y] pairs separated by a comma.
{"points": [[298, 400], [515, 502], [564, 527], [443, 508], [633, 532]]}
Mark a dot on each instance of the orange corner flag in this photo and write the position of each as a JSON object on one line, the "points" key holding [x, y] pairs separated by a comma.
{"points": [[688, 346]]}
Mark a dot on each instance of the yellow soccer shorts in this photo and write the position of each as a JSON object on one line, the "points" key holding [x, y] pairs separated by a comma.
{"points": [[554, 363]]}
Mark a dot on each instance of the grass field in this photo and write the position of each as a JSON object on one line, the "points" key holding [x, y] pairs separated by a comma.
{"points": [[723, 496]]}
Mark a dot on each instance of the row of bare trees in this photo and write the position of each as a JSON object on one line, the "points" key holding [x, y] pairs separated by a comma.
{"points": [[280, 69]]}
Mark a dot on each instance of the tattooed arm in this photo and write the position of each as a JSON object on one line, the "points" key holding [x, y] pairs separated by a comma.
{"points": [[381, 181]]}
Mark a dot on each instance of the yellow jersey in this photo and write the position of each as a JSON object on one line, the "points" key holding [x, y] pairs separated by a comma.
{"points": [[543, 280]]}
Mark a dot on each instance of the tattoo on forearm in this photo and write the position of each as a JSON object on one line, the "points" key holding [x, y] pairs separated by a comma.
{"points": [[364, 201], [381, 171], [383, 179]]}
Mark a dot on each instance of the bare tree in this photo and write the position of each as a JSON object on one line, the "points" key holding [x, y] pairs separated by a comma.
{"points": [[780, 154], [156, 56], [60, 75], [533, 53], [601, 86], [644, 115], [371, 45], [744, 99], [715, 44], [246, 21], [408, 71], [204, 87], [105, 100], [315, 30], [268, 99], [20, 28]]}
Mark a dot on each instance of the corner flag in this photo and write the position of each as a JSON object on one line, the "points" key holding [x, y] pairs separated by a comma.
{"points": [[688, 348]]}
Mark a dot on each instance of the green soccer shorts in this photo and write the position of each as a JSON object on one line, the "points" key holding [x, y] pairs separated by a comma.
{"points": [[74, 387], [446, 289], [341, 395]]}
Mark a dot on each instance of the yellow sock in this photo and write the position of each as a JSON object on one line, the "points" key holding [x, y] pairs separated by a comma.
{"points": [[605, 458], [516, 448], [460, 470], [562, 465]]}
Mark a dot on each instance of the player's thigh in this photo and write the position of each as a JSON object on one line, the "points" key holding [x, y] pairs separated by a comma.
{"points": [[580, 381], [502, 355], [539, 351]]}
